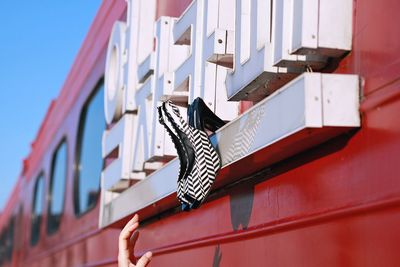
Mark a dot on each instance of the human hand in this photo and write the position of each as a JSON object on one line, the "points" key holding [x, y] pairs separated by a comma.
{"points": [[127, 240]]}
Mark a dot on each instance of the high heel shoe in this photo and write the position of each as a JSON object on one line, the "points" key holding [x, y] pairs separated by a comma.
{"points": [[195, 178], [202, 118], [184, 149]]}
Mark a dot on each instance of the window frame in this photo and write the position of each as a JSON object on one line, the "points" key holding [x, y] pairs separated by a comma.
{"points": [[49, 198], [33, 242], [78, 150]]}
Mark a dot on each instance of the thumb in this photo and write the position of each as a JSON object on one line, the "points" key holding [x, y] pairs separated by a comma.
{"points": [[144, 260]]}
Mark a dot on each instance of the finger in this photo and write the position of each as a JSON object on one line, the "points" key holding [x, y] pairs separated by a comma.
{"points": [[144, 260], [129, 224], [135, 219], [127, 230], [134, 238], [125, 236]]}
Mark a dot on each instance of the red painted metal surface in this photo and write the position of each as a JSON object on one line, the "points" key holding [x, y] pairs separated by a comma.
{"points": [[334, 205]]}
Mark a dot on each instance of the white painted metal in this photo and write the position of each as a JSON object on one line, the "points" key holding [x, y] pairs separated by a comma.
{"points": [[336, 93], [197, 76], [245, 30], [145, 35], [114, 84], [216, 57], [140, 19], [297, 107], [304, 25], [335, 26], [257, 77], [281, 29], [225, 110], [263, 7], [322, 27], [167, 58], [187, 31], [130, 44], [120, 137], [141, 143], [313, 96], [285, 29]]}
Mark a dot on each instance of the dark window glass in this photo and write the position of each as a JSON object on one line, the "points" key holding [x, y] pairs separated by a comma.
{"points": [[37, 209], [3, 247], [57, 188], [89, 160], [10, 239], [19, 230]]}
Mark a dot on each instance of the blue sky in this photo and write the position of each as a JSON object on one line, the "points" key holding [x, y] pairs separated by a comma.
{"points": [[38, 44]]}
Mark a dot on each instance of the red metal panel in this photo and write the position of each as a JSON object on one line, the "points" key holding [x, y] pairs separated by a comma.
{"points": [[375, 55], [341, 242]]}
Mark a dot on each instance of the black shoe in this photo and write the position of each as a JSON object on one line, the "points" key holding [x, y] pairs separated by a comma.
{"points": [[202, 118]]}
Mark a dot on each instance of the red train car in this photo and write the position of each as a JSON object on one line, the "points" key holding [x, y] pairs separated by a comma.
{"points": [[309, 154]]}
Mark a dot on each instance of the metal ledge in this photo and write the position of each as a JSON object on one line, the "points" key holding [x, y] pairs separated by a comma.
{"points": [[306, 112]]}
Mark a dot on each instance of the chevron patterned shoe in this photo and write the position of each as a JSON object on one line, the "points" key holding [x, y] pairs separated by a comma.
{"points": [[208, 162], [194, 181], [184, 149]]}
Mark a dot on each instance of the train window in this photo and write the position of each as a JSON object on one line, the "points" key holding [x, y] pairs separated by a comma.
{"points": [[37, 209], [3, 246], [89, 162], [57, 188], [19, 229], [10, 239]]}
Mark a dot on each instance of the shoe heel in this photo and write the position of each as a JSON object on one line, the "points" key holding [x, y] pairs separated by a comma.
{"points": [[201, 117]]}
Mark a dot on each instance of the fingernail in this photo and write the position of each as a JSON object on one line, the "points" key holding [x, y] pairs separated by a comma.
{"points": [[149, 254]]}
